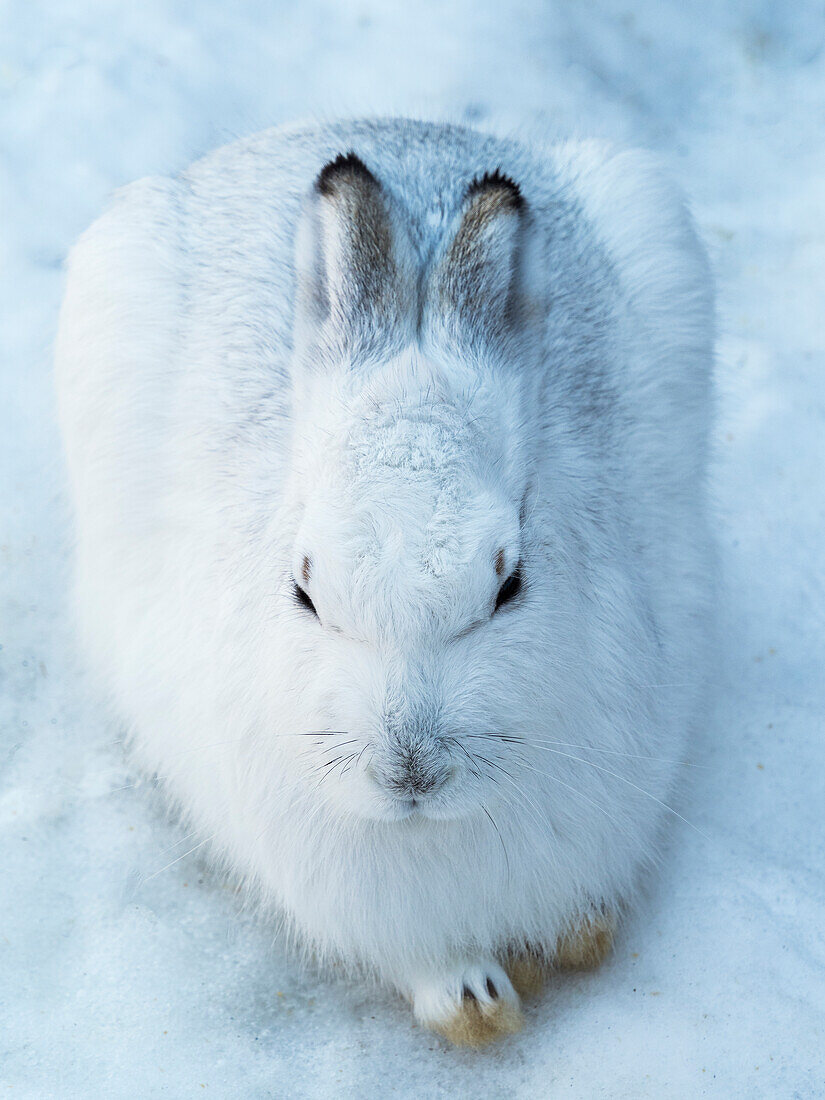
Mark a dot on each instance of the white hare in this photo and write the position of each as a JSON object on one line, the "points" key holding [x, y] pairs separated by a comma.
{"points": [[387, 445]]}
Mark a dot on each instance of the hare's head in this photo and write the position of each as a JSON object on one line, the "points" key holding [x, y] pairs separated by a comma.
{"points": [[409, 587]]}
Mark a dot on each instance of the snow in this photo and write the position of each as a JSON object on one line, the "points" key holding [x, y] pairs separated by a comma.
{"points": [[125, 977]]}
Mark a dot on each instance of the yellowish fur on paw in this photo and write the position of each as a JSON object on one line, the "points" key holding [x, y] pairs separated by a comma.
{"points": [[528, 972], [587, 944], [476, 1025]]}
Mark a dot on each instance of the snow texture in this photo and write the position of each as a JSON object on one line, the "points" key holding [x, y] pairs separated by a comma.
{"points": [[127, 969]]}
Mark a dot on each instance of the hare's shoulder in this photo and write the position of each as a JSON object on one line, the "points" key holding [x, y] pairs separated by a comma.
{"points": [[642, 221], [124, 288], [117, 334]]}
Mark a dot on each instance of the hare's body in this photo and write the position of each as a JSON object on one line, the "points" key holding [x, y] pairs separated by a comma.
{"points": [[452, 379]]}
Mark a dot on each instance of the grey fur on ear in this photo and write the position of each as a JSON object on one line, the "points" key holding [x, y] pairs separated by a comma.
{"points": [[473, 282], [354, 281]]}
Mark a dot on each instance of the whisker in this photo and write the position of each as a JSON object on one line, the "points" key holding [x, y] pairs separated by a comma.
{"points": [[540, 819], [214, 745], [326, 763], [314, 733], [501, 841], [348, 764], [541, 742], [469, 756], [330, 765], [340, 745], [581, 794], [181, 840], [630, 783], [179, 858], [346, 760], [351, 741]]}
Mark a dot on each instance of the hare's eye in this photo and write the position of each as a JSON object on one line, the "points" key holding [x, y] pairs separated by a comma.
{"points": [[510, 589], [301, 597]]}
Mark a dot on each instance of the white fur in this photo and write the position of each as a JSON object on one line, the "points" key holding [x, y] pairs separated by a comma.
{"points": [[210, 451]]}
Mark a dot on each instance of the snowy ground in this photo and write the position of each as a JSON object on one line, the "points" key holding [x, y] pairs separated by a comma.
{"points": [[118, 984]]}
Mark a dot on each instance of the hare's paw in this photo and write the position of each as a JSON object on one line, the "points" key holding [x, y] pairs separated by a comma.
{"points": [[528, 970], [587, 943], [470, 1005]]}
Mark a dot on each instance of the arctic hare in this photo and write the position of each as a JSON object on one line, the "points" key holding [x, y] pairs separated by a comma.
{"points": [[387, 445]]}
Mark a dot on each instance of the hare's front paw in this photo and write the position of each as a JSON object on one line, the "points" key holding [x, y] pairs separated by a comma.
{"points": [[471, 1004], [587, 944], [584, 945]]}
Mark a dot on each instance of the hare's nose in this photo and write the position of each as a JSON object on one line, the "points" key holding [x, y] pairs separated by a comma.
{"points": [[411, 778]]}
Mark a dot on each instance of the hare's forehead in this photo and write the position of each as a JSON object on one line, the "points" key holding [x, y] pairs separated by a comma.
{"points": [[373, 442], [412, 488], [430, 445]]}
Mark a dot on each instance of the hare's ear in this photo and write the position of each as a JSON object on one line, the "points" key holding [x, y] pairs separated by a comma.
{"points": [[356, 285], [473, 289]]}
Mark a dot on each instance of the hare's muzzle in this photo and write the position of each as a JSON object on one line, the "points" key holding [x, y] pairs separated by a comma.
{"points": [[410, 761]]}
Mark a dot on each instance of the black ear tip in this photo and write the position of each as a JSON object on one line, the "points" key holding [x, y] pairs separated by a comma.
{"points": [[496, 183], [345, 167]]}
